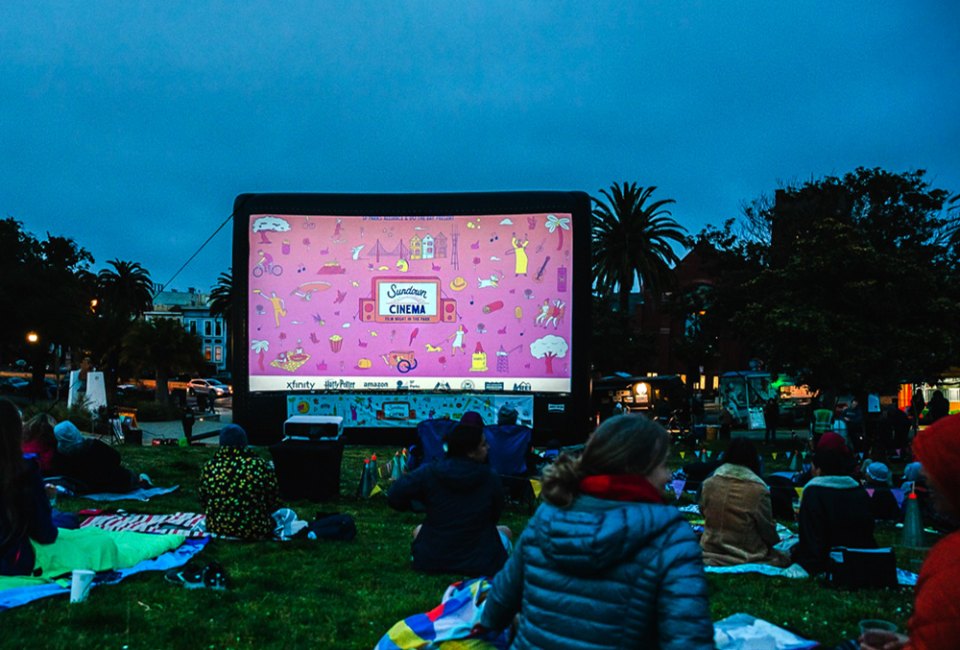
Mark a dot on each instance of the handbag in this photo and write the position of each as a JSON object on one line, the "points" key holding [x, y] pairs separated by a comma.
{"points": [[862, 568]]}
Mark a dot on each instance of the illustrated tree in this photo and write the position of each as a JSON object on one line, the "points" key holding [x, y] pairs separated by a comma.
{"points": [[857, 289], [548, 348], [632, 241], [221, 304], [164, 346], [124, 293]]}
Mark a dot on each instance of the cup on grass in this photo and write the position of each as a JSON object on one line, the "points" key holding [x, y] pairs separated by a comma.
{"points": [[80, 585], [876, 630]]}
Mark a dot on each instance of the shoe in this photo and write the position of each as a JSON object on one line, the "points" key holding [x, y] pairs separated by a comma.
{"points": [[215, 577], [186, 577]]}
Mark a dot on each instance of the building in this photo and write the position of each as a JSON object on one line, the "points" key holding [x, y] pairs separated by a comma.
{"points": [[192, 309]]}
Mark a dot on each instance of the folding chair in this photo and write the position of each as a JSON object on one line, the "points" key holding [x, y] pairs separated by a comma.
{"points": [[431, 433], [509, 446]]}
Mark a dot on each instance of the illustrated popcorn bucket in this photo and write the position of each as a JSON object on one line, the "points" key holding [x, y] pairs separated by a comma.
{"points": [[336, 342]]}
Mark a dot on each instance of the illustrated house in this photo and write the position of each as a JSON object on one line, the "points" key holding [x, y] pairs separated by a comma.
{"points": [[440, 245], [428, 247], [416, 248]]}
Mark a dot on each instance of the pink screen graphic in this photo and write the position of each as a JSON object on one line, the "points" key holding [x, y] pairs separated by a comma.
{"points": [[410, 302]]}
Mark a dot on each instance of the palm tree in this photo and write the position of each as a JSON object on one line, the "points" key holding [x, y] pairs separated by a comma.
{"points": [[164, 346], [632, 241], [126, 291], [221, 304], [123, 294]]}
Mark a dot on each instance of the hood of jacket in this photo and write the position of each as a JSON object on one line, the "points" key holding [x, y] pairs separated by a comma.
{"points": [[461, 474], [593, 534]]}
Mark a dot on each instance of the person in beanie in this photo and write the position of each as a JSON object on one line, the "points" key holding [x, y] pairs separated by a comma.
{"points": [[463, 500], [605, 563], [834, 508], [935, 624], [238, 489]]}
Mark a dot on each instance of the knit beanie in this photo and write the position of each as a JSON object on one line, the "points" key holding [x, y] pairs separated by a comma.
{"points": [[938, 449], [465, 437], [233, 435], [878, 472], [68, 436]]}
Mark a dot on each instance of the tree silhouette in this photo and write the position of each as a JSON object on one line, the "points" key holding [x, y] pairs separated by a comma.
{"points": [[164, 346], [632, 241]]}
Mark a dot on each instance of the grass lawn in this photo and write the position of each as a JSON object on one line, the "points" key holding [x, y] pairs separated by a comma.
{"points": [[345, 595]]}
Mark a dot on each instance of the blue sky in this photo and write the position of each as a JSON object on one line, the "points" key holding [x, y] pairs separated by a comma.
{"points": [[131, 126]]}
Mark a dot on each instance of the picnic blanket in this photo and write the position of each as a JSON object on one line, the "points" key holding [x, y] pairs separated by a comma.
{"points": [[904, 578], [448, 625], [188, 524], [742, 631], [140, 494], [135, 553]]}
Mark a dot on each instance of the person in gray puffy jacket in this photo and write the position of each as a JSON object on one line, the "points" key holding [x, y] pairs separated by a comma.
{"points": [[605, 563]]}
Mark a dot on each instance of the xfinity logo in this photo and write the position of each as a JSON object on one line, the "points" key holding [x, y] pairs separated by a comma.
{"points": [[300, 385]]}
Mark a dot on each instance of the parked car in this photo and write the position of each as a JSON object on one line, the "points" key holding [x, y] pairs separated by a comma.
{"points": [[14, 385], [210, 387]]}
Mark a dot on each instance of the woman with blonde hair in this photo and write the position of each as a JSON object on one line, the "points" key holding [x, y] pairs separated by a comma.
{"points": [[605, 563]]}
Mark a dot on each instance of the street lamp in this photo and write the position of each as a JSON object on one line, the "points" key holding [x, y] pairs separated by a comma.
{"points": [[32, 337]]}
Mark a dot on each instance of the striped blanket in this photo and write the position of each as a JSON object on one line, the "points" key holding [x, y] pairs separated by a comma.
{"points": [[189, 524], [447, 625]]}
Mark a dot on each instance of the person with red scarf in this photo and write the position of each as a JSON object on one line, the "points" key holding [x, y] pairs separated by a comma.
{"points": [[935, 624], [605, 563]]}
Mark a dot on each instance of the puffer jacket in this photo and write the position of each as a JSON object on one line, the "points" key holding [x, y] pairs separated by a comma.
{"points": [[739, 526], [602, 575], [463, 499]]}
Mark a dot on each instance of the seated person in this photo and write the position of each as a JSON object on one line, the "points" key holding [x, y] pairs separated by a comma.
{"points": [[38, 439], [93, 465], [463, 499], [876, 478], [238, 489], [834, 509], [739, 526], [935, 623], [25, 515]]}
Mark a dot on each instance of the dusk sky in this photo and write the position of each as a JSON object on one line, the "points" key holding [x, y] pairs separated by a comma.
{"points": [[131, 126]]}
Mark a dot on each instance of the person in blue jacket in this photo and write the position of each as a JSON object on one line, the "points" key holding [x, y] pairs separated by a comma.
{"points": [[605, 563], [25, 513], [463, 499]]}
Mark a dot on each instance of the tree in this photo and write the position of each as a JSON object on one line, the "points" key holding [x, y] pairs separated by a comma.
{"points": [[632, 242], [45, 289], [221, 304], [164, 346], [123, 294], [856, 290]]}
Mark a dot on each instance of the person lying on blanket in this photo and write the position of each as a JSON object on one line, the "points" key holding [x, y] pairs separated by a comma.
{"points": [[238, 489], [735, 502], [605, 563], [24, 507], [92, 465], [935, 624], [834, 508], [463, 499]]}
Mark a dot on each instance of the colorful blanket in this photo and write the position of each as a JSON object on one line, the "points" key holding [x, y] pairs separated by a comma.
{"points": [[133, 554], [189, 524], [141, 494], [448, 625]]}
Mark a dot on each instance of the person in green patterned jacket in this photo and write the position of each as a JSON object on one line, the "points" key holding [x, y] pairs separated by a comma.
{"points": [[238, 489]]}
